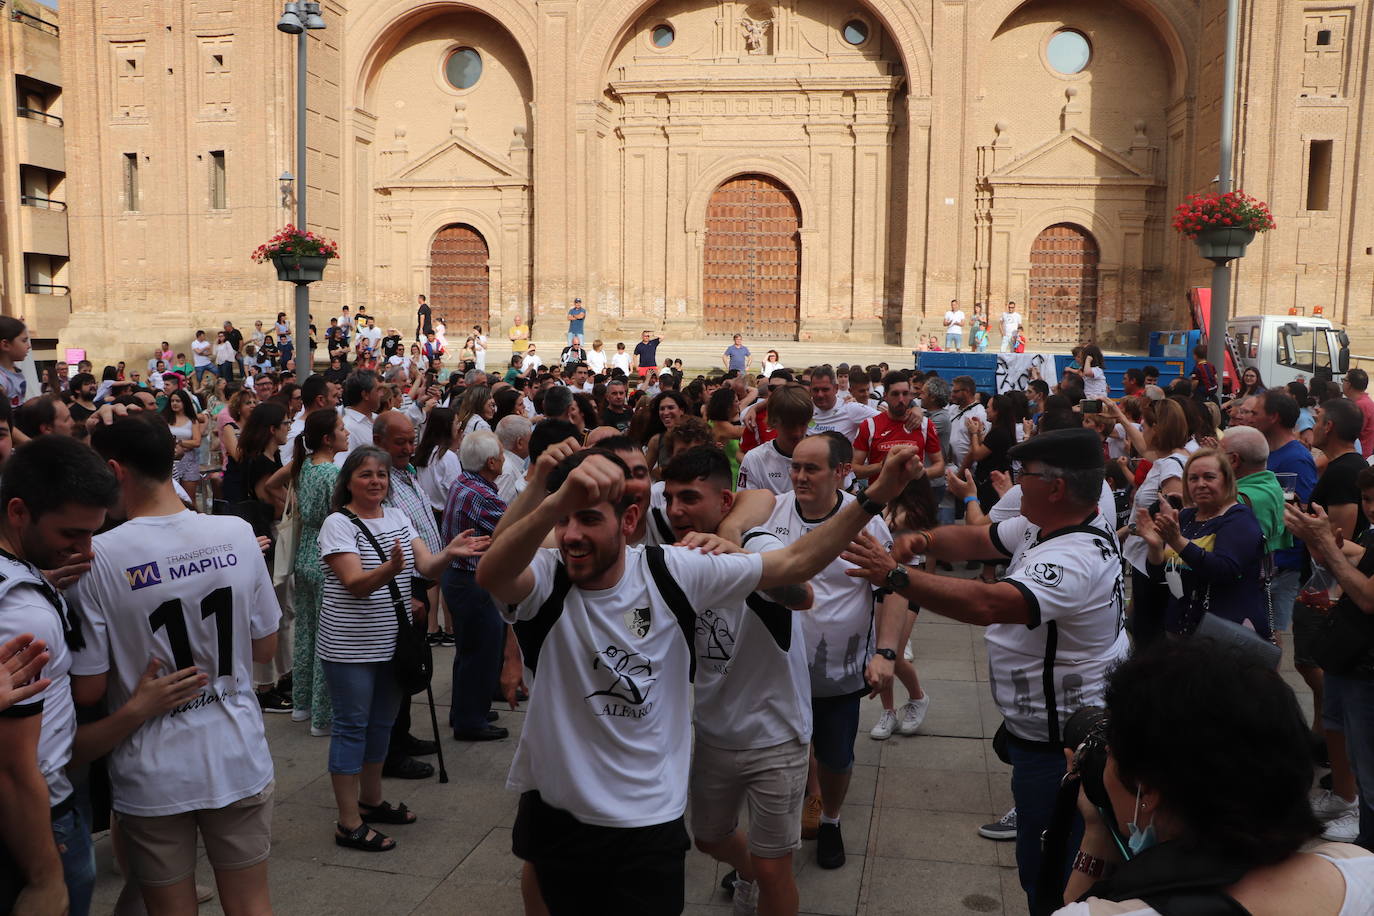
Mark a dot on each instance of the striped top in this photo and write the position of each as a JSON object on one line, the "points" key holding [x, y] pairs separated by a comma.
{"points": [[362, 629]]}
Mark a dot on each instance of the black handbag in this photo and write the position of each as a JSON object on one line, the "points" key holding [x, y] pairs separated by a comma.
{"points": [[413, 659]]}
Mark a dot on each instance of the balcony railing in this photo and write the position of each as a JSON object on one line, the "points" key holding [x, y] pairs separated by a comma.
{"points": [[47, 289], [34, 22], [37, 115], [43, 203]]}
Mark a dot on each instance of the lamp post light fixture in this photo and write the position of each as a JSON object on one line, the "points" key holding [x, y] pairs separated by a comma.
{"points": [[297, 18], [286, 183]]}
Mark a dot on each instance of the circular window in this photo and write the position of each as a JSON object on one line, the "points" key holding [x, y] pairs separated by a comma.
{"points": [[855, 32], [1068, 52], [463, 68], [663, 36]]}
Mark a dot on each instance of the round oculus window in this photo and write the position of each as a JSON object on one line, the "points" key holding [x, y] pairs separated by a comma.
{"points": [[662, 36], [855, 32], [1068, 52], [463, 68]]}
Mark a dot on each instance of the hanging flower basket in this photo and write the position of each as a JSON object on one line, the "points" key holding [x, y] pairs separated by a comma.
{"points": [[1224, 243], [299, 257], [303, 268], [1222, 224]]}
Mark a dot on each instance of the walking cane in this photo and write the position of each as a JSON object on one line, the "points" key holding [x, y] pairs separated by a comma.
{"points": [[434, 721]]}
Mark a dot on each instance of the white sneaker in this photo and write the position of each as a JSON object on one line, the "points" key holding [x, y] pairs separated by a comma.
{"points": [[746, 898], [320, 732], [907, 653], [1343, 828], [883, 730], [300, 715], [1327, 805], [912, 715]]}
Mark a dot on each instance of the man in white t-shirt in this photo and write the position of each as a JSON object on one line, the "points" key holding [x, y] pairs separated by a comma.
{"points": [[752, 710], [1011, 323], [201, 349], [831, 413], [55, 492], [769, 466], [954, 326], [362, 395], [1054, 621], [603, 758], [190, 594], [840, 631]]}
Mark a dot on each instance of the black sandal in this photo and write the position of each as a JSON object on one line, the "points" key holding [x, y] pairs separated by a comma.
{"points": [[364, 838], [385, 814]]}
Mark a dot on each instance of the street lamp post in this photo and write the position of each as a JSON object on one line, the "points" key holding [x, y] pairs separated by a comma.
{"points": [[296, 19], [1221, 272]]}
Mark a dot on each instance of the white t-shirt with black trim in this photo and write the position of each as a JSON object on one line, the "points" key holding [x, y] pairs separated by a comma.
{"points": [[24, 608], [657, 530], [363, 629], [1044, 671], [189, 589], [838, 629], [753, 688], [607, 733], [766, 468]]}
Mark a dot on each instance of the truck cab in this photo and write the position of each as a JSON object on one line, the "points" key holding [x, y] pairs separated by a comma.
{"points": [[1283, 348]]}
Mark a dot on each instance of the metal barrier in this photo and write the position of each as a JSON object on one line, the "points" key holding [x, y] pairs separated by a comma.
{"points": [[37, 115], [43, 203], [35, 22], [47, 289]]}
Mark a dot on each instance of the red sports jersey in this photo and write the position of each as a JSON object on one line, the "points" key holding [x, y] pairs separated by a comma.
{"points": [[877, 435]]}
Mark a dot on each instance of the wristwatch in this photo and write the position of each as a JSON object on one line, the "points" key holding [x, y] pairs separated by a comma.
{"points": [[872, 507], [889, 654], [897, 578]]}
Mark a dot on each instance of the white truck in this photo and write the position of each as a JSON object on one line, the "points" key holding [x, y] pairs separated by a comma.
{"points": [[1287, 347]]}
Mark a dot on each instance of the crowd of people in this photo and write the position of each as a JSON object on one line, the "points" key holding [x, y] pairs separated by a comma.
{"points": [[692, 584]]}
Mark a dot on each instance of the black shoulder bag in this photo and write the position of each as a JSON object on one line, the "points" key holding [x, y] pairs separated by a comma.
{"points": [[413, 658]]}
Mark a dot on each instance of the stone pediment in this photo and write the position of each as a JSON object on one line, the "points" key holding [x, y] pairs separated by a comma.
{"points": [[1072, 157], [457, 159]]}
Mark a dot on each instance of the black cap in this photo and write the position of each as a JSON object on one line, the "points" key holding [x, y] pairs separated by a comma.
{"points": [[1070, 449]]}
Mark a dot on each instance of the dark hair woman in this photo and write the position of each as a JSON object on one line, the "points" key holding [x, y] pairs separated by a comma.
{"points": [[1242, 837], [665, 411], [187, 428], [314, 472]]}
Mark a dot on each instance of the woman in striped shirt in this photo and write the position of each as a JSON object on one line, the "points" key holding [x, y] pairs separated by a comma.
{"points": [[357, 635]]}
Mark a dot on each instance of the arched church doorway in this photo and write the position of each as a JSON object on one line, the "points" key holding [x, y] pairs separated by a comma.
{"points": [[752, 277], [459, 284], [1063, 286]]}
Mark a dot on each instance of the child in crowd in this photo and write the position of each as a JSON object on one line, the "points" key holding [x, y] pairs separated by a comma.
{"points": [[14, 348]]}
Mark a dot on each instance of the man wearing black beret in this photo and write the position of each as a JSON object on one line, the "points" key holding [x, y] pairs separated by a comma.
{"points": [[1054, 621]]}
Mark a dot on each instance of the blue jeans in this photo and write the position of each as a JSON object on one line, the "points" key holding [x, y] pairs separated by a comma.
{"points": [[1283, 592], [365, 697], [478, 631], [1348, 706], [953, 340], [226, 370], [1035, 776], [201, 370], [73, 835]]}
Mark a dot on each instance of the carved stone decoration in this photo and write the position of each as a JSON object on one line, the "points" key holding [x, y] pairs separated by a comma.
{"points": [[755, 34]]}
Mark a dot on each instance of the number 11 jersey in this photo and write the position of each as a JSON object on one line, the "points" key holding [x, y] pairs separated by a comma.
{"points": [[188, 589]]}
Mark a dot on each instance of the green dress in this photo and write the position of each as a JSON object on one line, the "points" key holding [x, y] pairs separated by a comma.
{"points": [[308, 689]]}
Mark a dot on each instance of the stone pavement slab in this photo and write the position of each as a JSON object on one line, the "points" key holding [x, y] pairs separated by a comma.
{"points": [[910, 822]]}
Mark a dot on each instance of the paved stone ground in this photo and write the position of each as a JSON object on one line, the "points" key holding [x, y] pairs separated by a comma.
{"points": [[909, 824]]}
